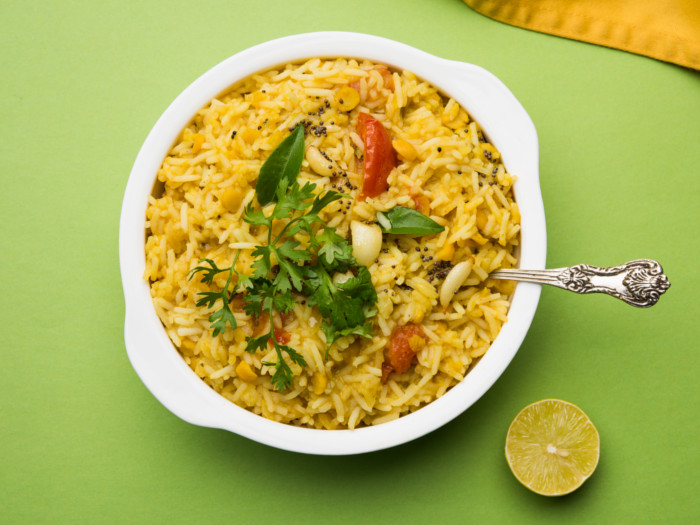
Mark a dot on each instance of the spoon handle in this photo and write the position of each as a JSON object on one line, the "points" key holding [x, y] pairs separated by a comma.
{"points": [[639, 283]]}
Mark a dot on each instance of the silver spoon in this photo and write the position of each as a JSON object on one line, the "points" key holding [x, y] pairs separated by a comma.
{"points": [[639, 283]]}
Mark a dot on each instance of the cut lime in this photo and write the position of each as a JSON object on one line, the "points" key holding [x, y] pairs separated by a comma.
{"points": [[552, 447]]}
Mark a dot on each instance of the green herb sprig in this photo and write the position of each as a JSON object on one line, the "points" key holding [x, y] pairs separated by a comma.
{"points": [[302, 268], [223, 315], [407, 221]]}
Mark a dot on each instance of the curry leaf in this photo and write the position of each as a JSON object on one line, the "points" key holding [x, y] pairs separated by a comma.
{"points": [[407, 221], [281, 168]]}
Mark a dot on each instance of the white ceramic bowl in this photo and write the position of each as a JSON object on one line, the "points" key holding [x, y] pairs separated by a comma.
{"points": [[156, 360]]}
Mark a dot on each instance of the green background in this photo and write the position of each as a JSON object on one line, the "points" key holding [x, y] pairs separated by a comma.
{"points": [[83, 441]]}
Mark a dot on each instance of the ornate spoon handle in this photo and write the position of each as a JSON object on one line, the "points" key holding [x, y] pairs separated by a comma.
{"points": [[639, 283]]}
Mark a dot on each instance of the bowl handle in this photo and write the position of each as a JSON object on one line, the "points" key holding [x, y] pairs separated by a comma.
{"points": [[149, 353]]}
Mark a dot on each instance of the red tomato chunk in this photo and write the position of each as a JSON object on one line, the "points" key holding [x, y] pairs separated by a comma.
{"points": [[380, 157], [405, 341], [282, 336]]}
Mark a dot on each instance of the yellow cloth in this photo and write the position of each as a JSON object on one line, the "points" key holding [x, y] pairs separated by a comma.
{"points": [[667, 30]]}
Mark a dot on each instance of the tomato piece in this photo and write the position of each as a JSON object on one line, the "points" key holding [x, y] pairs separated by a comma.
{"points": [[422, 202], [386, 76], [404, 342], [380, 157], [387, 369], [282, 336]]}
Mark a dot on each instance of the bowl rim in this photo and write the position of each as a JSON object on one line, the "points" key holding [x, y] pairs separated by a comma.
{"points": [[155, 359]]}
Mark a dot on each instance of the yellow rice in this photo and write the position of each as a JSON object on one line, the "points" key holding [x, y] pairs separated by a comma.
{"points": [[455, 168]]}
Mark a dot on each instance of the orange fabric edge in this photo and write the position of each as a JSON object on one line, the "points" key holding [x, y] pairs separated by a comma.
{"points": [[583, 25]]}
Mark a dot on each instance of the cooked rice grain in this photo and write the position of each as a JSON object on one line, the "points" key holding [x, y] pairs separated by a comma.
{"points": [[460, 174]]}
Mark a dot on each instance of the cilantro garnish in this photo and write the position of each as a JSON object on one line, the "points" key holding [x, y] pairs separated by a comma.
{"points": [[220, 317], [300, 260]]}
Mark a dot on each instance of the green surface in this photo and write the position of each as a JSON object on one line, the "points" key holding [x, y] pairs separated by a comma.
{"points": [[83, 441]]}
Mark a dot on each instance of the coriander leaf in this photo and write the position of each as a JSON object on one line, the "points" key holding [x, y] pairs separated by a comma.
{"points": [[256, 217], [209, 273], [345, 307], [281, 168], [341, 308], [219, 319], [296, 200], [293, 275], [243, 281], [369, 311], [262, 265], [283, 303], [334, 251], [304, 222], [260, 289], [332, 334], [408, 221], [289, 250], [347, 310], [282, 377], [258, 343], [294, 356], [360, 286], [282, 282], [290, 259], [208, 298]]}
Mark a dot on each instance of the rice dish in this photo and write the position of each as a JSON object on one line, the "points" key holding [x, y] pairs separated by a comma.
{"points": [[446, 169]]}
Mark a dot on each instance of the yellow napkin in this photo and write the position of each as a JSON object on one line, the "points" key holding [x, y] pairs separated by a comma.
{"points": [[667, 30]]}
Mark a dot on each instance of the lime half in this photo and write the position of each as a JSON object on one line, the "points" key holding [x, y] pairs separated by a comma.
{"points": [[552, 447]]}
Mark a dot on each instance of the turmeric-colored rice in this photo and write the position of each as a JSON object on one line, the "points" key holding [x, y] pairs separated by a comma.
{"points": [[446, 169]]}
